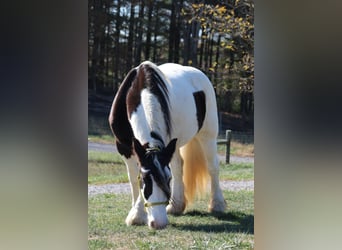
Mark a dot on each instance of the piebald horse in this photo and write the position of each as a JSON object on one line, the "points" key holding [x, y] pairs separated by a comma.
{"points": [[165, 122]]}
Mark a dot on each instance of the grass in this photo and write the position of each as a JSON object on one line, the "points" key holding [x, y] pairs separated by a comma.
{"points": [[237, 171], [195, 229], [236, 148], [106, 167], [102, 138]]}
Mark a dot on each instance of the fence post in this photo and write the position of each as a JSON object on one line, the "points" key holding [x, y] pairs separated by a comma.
{"points": [[228, 138]]}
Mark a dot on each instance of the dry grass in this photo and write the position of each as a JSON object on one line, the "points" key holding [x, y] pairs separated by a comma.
{"points": [[106, 167], [240, 149], [237, 149]]}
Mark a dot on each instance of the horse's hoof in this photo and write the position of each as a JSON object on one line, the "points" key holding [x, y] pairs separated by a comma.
{"points": [[175, 209], [136, 218], [217, 206]]}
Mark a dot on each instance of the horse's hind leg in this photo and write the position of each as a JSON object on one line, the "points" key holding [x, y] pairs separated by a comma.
{"points": [[217, 202], [137, 214]]}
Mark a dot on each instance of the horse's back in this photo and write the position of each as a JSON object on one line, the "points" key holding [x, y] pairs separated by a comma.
{"points": [[184, 82], [185, 75]]}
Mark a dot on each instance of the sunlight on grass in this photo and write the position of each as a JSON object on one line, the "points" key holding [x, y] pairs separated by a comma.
{"points": [[237, 171], [106, 167], [237, 149], [195, 229], [240, 149], [107, 139]]}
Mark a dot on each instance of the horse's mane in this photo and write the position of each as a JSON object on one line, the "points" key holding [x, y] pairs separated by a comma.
{"points": [[150, 77], [128, 98]]}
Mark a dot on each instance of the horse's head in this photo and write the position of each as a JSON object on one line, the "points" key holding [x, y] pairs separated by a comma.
{"points": [[155, 176]]}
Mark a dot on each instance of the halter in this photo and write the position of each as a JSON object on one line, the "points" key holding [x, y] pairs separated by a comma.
{"points": [[150, 204], [152, 150]]}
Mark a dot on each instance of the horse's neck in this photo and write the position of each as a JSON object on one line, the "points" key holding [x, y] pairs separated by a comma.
{"points": [[147, 118]]}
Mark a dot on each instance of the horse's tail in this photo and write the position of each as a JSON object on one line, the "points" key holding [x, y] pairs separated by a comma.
{"points": [[195, 169]]}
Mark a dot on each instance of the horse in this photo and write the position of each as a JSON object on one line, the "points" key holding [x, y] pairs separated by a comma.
{"points": [[164, 119]]}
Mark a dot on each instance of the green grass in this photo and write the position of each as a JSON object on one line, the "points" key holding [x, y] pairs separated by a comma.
{"points": [[237, 171], [195, 229], [236, 148], [106, 167], [106, 139]]}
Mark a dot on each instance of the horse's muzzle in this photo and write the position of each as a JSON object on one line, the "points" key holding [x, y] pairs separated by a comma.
{"points": [[154, 225]]}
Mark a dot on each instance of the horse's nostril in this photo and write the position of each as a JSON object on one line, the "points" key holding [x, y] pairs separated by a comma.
{"points": [[153, 224]]}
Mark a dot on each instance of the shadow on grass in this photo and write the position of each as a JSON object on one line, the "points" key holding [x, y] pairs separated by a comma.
{"points": [[232, 222]]}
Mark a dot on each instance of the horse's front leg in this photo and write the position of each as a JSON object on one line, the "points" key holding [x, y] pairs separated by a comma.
{"points": [[177, 202], [137, 214]]}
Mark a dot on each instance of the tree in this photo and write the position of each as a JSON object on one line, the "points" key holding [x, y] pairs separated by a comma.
{"points": [[215, 36], [231, 25]]}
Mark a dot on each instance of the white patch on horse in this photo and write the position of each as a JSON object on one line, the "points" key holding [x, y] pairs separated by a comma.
{"points": [[156, 214], [139, 125], [153, 115]]}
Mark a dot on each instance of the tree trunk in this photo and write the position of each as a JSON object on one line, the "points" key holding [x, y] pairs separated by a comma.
{"points": [[186, 50], [177, 31], [129, 59], [156, 33], [117, 46], [172, 31], [140, 32], [149, 32], [195, 27]]}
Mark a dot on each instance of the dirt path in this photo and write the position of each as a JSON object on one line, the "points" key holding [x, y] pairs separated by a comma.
{"points": [[125, 187]]}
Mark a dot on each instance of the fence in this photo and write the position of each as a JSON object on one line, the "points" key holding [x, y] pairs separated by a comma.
{"points": [[242, 137], [98, 125]]}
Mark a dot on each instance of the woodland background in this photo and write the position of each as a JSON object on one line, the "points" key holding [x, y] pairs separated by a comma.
{"points": [[214, 36]]}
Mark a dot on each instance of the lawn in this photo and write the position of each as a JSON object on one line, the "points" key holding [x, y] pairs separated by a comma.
{"points": [[195, 229], [106, 167], [236, 148]]}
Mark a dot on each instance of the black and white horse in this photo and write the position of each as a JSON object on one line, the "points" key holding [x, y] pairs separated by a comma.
{"points": [[165, 122]]}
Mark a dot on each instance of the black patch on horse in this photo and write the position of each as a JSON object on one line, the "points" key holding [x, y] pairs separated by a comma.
{"points": [[157, 136], [118, 119], [147, 180], [200, 107], [147, 159]]}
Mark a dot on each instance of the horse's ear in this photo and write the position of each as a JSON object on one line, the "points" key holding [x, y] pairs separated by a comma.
{"points": [[168, 151], [139, 149]]}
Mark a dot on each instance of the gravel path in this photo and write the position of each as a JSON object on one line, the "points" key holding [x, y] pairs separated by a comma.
{"points": [[125, 188]]}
